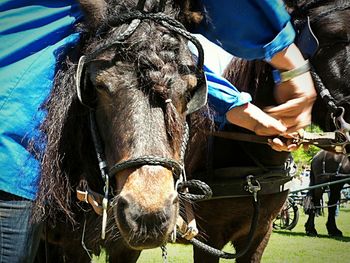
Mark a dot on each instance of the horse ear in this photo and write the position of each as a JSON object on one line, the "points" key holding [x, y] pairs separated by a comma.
{"points": [[94, 11]]}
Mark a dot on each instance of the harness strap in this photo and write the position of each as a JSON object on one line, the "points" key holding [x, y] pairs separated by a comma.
{"points": [[88, 196], [187, 230], [230, 182], [283, 76]]}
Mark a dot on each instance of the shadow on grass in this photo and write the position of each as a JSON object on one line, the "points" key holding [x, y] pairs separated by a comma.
{"points": [[302, 234]]}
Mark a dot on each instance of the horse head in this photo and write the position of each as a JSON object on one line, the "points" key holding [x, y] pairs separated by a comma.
{"points": [[139, 78], [137, 81]]}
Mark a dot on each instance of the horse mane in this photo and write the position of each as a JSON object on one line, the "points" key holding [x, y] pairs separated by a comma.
{"points": [[253, 77], [66, 129]]}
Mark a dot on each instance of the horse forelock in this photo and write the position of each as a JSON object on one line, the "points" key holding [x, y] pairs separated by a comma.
{"points": [[162, 63]]}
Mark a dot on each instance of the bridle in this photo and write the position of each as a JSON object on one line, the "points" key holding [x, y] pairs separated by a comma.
{"points": [[198, 100]]}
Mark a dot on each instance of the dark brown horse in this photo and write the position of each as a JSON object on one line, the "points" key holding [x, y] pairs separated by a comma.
{"points": [[326, 167], [134, 87], [137, 81]]}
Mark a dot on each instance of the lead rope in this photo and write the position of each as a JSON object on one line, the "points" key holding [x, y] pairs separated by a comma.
{"points": [[164, 254]]}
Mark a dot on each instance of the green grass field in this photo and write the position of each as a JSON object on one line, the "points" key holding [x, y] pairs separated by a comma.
{"points": [[284, 246]]}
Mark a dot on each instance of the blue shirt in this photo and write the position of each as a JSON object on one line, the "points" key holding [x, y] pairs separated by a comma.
{"points": [[222, 95], [249, 29], [33, 34]]}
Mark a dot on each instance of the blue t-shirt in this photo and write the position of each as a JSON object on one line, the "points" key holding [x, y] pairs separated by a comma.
{"points": [[222, 95], [33, 34], [249, 29]]}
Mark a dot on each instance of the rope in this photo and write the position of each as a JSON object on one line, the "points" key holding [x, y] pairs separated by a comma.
{"points": [[197, 185], [222, 254], [328, 206], [324, 92], [321, 185], [164, 254], [159, 18], [186, 135], [122, 36]]}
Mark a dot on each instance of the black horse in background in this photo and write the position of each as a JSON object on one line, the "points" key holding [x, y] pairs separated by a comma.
{"points": [[139, 88], [326, 167]]}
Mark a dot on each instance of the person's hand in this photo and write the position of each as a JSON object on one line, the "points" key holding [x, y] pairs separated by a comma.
{"points": [[253, 118], [285, 143], [295, 96]]}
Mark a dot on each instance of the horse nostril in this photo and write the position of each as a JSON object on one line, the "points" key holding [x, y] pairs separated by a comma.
{"points": [[123, 203]]}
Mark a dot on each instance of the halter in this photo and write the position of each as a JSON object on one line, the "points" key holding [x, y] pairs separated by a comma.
{"points": [[199, 99]]}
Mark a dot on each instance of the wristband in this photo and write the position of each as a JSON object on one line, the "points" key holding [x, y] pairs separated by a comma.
{"points": [[284, 76]]}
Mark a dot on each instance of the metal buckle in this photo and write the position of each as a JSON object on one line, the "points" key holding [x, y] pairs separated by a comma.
{"points": [[251, 188]]}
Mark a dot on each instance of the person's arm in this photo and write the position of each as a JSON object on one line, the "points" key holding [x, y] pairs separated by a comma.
{"points": [[254, 119], [231, 105], [262, 29], [249, 29], [295, 96]]}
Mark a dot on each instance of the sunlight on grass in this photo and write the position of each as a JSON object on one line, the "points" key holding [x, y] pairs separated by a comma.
{"points": [[284, 246]]}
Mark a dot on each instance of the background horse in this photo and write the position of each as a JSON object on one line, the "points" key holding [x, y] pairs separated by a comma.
{"points": [[326, 167], [139, 88]]}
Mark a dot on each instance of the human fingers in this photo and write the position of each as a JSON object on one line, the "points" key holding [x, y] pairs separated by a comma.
{"points": [[291, 135], [278, 145], [270, 127], [296, 123]]}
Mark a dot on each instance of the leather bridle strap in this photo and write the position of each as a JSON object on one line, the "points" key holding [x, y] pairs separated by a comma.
{"points": [[171, 164], [240, 136]]}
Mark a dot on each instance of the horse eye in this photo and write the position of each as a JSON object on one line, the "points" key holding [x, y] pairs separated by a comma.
{"points": [[102, 87]]}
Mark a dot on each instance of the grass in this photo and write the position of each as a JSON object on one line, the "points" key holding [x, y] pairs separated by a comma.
{"points": [[284, 246]]}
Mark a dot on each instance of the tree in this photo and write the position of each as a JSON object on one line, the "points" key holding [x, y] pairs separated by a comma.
{"points": [[303, 157]]}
